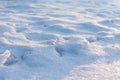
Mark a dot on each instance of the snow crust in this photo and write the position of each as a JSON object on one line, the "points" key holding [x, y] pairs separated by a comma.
{"points": [[59, 40]]}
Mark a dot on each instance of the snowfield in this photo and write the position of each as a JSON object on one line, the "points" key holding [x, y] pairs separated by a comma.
{"points": [[59, 40]]}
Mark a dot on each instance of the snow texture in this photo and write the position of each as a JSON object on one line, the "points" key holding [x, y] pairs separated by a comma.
{"points": [[59, 40]]}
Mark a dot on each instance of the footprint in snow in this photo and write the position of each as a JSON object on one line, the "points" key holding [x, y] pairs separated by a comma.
{"points": [[73, 48]]}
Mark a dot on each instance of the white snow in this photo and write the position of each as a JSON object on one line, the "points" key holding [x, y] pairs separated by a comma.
{"points": [[59, 40]]}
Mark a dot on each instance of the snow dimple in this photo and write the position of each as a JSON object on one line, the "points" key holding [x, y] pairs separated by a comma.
{"points": [[5, 28], [111, 23], [40, 36], [60, 30], [90, 27]]}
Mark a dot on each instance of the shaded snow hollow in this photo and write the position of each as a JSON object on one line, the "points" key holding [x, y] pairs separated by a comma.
{"points": [[59, 40]]}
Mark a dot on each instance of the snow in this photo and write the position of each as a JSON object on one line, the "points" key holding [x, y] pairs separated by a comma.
{"points": [[59, 40]]}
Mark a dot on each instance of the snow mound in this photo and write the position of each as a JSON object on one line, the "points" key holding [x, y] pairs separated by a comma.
{"points": [[95, 72], [4, 57]]}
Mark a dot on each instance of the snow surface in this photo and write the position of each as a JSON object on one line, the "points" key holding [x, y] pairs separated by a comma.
{"points": [[59, 40]]}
